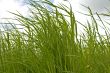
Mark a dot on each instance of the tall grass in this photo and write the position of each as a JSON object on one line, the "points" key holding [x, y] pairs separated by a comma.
{"points": [[51, 44]]}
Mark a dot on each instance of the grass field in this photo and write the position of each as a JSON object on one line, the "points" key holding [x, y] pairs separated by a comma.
{"points": [[51, 44]]}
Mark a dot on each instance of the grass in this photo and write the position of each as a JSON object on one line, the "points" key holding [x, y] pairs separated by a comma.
{"points": [[51, 44]]}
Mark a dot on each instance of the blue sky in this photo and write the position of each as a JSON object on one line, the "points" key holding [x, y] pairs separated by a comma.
{"points": [[52, 0]]}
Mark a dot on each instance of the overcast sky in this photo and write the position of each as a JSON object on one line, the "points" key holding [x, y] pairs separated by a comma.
{"points": [[13, 5], [19, 5], [95, 5]]}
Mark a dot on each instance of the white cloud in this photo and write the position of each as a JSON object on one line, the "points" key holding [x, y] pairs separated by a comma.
{"points": [[76, 8], [95, 5], [10, 5], [17, 5]]}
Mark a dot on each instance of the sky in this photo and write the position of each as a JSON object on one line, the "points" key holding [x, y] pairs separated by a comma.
{"points": [[99, 6], [95, 5], [14, 6], [20, 6], [11, 5]]}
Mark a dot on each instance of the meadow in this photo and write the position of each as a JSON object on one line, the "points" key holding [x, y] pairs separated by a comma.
{"points": [[51, 43]]}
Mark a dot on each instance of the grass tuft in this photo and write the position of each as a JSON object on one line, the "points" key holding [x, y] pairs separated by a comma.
{"points": [[51, 44]]}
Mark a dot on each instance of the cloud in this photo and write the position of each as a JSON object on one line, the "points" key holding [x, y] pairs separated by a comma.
{"points": [[95, 5], [12, 6]]}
